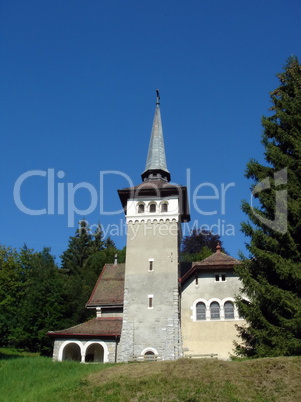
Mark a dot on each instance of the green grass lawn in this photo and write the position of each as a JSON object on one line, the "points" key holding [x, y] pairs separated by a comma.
{"points": [[37, 379]]}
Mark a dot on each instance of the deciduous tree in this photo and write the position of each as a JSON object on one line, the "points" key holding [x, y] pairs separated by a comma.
{"points": [[199, 244]]}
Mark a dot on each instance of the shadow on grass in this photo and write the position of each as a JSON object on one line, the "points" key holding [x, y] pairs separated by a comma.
{"points": [[7, 354]]}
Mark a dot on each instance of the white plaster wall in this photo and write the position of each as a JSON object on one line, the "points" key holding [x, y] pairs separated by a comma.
{"points": [[171, 214]]}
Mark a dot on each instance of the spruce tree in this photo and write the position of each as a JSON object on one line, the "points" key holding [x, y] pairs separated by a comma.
{"points": [[271, 273], [79, 250]]}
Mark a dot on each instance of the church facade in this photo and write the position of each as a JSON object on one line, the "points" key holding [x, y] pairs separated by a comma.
{"points": [[151, 307]]}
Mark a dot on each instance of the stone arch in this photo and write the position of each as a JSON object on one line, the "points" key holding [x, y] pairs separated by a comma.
{"points": [[149, 352], [70, 350], [96, 351]]}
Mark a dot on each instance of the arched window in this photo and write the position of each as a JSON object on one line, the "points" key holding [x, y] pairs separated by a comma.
{"points": [[200, 311], [229, 310], [140, 208], [152, 208], [214, 311], [164, 207]]}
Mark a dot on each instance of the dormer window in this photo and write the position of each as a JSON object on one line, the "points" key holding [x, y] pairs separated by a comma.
{"points": [[152, 208]]}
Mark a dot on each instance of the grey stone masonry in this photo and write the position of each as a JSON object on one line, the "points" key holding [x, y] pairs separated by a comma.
{"points": [[151, 297]]}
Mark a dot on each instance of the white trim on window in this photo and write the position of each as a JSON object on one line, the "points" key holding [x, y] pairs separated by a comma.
{"points": [[141, 207], [220, 277], [193, 308], [151, 264], [153, 350], [152, 207], [208, 303], [150, 302]]}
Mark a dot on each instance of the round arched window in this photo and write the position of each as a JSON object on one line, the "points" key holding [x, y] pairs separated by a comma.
{"points": [[164, 207], [141, 208], [200, 311], [229, 310], [214, 311], [152, 208]]}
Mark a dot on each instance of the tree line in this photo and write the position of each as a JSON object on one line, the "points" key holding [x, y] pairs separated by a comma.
{"points": [[37, 296]]}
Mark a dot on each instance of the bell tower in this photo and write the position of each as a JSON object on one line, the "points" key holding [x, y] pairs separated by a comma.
{"points": [[154, 212]]}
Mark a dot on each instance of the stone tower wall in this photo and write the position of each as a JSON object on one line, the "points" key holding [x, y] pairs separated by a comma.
{"points": [[151, 272]]}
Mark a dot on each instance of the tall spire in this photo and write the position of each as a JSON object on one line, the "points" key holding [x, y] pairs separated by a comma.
{"points": [[156, 167]]}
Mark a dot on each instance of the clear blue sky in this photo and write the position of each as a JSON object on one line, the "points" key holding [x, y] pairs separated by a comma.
{"points": [[78, 81]]}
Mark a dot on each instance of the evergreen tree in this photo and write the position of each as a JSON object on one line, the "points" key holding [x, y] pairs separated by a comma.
{"points": [[109, 243], [42, 307], [79, 249], [98, 244], [271, 275], [82, 263]]}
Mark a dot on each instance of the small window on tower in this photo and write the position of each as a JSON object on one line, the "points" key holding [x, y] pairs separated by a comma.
{"points": [[150, 301], [140, 208], [152, 208], [150, 264], [164, 207]]}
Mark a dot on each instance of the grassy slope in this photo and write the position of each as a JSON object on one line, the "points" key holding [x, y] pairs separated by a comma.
{"points": [[275, 379], [40, 379]]}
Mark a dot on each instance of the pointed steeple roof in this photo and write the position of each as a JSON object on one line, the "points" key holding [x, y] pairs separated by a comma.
{"points": [[156, 167]]}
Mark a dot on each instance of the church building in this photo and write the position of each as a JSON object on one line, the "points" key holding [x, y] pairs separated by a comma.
{"points": [[151, 307]]}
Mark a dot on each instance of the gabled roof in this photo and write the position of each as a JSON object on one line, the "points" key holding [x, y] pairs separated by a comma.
{"points": [[109, 288], [95, 327], [215, 262]]}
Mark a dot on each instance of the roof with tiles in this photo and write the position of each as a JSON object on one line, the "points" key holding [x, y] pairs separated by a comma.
{"points": [[109, 288], [95, 327], [216, 261]]}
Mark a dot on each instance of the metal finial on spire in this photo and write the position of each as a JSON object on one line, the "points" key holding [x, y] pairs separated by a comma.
{"points": [[158, 97]]}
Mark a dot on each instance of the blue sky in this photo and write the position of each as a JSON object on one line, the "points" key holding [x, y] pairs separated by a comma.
{"points": [[78, 83]]}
